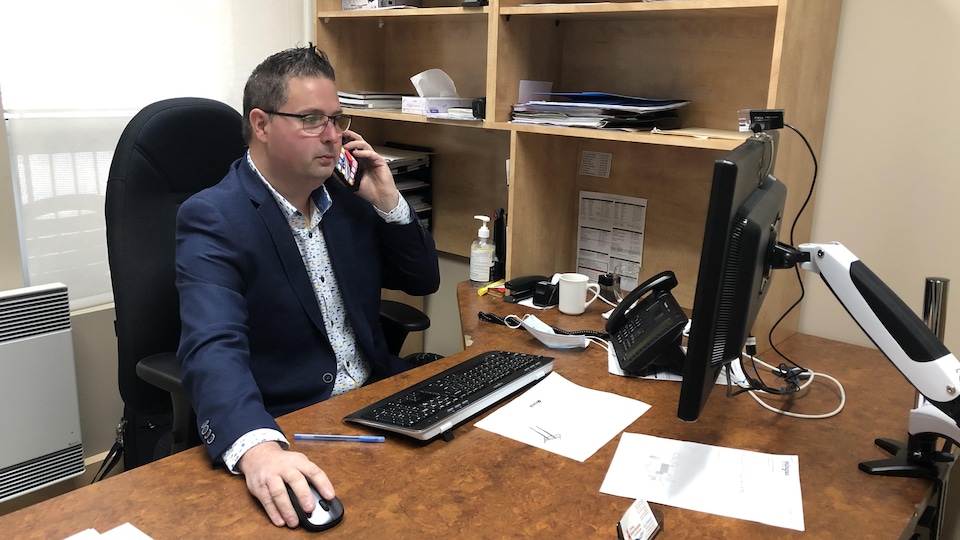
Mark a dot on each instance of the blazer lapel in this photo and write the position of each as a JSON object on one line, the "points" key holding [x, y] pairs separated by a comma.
{"points": [[338, 237], [284, 243]]}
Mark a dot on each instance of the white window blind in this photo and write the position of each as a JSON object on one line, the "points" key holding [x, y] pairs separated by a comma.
{"points": [[74, 73]]}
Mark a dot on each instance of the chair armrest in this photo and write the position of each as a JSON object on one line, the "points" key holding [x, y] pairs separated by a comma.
{"points": [[407, 317], [163, 371]]}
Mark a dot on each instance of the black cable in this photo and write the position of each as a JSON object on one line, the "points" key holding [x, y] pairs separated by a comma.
{"points": [[813, 182], [791, 376], [793, 226]]}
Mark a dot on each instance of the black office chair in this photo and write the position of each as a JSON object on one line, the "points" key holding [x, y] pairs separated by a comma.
{"points": [[169, 151]]}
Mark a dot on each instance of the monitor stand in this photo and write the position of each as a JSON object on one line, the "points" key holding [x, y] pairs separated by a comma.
{"points": [[671, 360], [919, 457]]}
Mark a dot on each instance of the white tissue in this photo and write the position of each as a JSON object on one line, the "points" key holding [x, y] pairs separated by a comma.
{"points": [[434, 83]]}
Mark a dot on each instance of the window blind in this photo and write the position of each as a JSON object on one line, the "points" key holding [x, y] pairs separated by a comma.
{"points": [[74, 73]]}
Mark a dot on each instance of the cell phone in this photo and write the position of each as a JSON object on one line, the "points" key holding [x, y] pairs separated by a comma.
{"points": [[348, 169]]}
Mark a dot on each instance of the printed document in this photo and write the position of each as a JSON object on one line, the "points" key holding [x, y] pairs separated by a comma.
{"points": [[610, 236], [764, 488], [564, 418]]}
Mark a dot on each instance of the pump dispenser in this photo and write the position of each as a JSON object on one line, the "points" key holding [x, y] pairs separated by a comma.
{"points": [[482, 252]]}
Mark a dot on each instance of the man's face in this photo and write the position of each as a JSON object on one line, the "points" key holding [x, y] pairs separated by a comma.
{"points": [[305, 158]]}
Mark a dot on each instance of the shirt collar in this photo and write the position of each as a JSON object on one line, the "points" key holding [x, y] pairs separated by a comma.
{"points": [[321, 201]]}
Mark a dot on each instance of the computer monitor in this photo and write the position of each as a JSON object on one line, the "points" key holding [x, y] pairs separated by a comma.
{"points": [[740, 238]]}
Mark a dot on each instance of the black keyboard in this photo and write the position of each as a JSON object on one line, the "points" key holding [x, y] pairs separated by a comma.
{"points": [[435, 405]]}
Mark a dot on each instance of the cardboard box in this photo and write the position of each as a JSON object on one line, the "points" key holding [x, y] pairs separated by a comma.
{"points": [[424, 105], [348, 5]]}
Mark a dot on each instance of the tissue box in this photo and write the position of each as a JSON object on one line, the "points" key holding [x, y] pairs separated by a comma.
{"points": [[424, 105], [347, 5]]}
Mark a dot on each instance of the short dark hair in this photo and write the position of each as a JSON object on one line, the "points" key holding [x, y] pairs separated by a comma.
{"points": [[266, 88]]}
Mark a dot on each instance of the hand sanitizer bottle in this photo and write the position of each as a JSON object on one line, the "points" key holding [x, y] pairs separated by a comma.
{"points": [[482, 252]]}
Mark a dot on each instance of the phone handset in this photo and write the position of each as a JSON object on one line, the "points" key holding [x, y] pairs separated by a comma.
{"points": [[662, 282], [645, 329]]}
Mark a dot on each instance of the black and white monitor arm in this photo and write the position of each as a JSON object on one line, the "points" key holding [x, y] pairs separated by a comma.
{"points": [[898, 332]]}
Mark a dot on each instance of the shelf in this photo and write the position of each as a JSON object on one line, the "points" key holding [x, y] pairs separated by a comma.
{"points": [[626, 136], [583, 133], [394, 114], [403, 13], [410, 185], [674, 9]]}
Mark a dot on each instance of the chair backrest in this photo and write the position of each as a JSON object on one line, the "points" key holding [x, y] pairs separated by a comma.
{"points": [[169, 151]]}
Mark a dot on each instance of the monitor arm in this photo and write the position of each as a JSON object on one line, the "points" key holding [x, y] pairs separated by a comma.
{"points": [[898, 332]]}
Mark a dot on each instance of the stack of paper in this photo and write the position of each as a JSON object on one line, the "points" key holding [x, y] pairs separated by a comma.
{"points": [[402, 161], [409, 168], [419, 202], [599, 110], [454, 113], [363, 99]]}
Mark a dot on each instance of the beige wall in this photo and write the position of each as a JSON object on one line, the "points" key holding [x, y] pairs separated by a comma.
{"points": [[889, 184], [11, 269], [95, 356], [445, 335]]}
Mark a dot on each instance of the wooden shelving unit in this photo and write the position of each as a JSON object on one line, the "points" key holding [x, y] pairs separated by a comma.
{"points": [[723, 55]]}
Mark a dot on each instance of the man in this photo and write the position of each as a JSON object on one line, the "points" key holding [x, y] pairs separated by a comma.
{"points": [[279, 271]]}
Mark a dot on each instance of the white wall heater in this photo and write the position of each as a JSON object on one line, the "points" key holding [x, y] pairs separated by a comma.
{"points": [[39, 415]]}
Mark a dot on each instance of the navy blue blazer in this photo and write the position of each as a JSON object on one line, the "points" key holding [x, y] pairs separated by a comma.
{"points": [[253, 345]]}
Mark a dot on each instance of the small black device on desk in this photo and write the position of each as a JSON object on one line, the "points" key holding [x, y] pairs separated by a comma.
{"points": [[646, 327], [522, 288]]}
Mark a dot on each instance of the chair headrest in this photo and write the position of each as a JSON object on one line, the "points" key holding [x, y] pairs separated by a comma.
{"points": [[188, 142]]}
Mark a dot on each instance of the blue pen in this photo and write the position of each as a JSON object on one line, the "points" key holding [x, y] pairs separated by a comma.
{"points": [[345, 438]]}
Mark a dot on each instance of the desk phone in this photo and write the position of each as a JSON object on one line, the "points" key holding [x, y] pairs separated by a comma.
{"points": [[646, 327]]}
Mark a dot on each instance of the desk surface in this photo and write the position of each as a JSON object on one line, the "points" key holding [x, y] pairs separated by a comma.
{"points": [[482, 485]]}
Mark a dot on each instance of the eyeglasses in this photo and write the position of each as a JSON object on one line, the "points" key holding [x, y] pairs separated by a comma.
{"points": [[316, 123]]}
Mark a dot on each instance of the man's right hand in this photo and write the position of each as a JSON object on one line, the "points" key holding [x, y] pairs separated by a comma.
{"points": [[267, 467]]}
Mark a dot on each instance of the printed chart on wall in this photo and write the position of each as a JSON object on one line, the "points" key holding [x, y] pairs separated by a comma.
{"points": [[610, 236]]}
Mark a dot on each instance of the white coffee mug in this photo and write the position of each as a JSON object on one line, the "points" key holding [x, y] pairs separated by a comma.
{"points": [[573, 293]]}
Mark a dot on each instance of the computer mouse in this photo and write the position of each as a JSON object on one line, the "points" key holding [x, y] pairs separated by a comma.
{"points": [[326, 515]]}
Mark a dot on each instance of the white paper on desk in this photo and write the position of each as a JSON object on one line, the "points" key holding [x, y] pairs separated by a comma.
{"points": [[564, 418], [87, 534], [528, 302], [125, 532], [764, 488], [120, 532]]}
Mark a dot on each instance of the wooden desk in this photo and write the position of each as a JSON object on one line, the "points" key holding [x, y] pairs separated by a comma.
{"points": [[482, 485]]}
